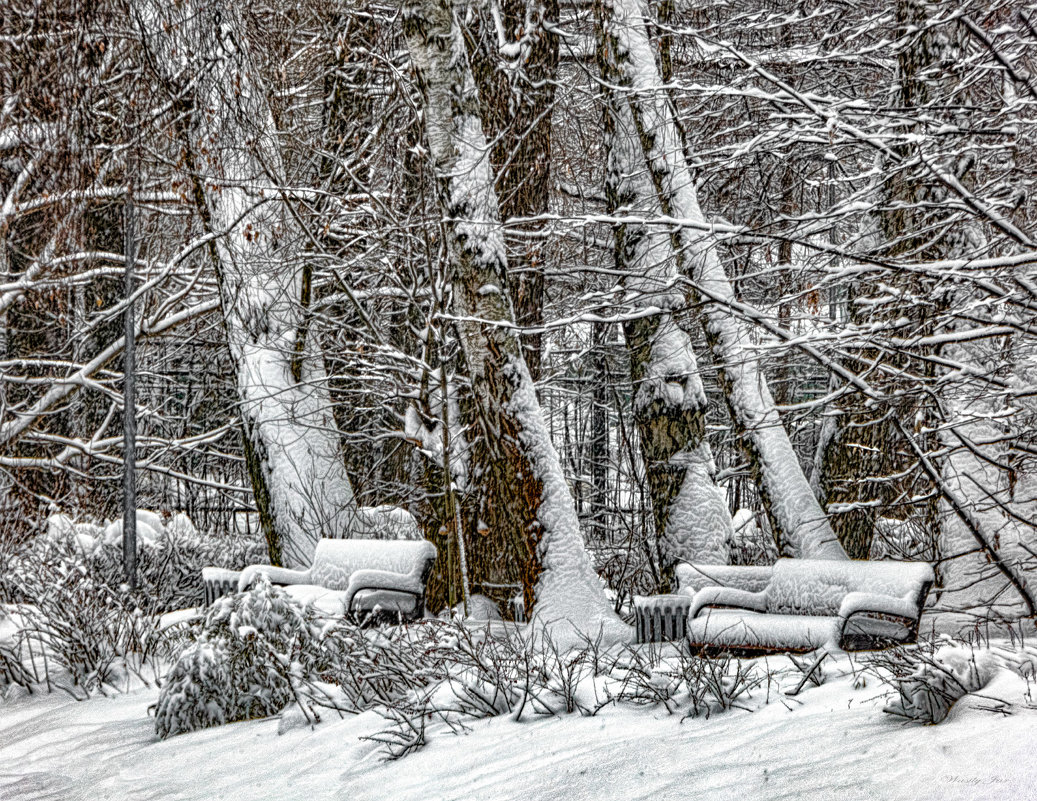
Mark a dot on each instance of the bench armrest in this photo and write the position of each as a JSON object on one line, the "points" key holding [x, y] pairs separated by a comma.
{"points": [[277, 575], [864, 602], [382, 580], [727, 597]]}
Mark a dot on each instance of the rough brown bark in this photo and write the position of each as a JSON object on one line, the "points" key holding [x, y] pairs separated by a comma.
{"points": [[516, 100], [557, 574]]}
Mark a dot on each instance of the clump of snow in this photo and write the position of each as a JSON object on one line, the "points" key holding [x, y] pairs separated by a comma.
{"points": [[180, 526], [387, 523], [479, 608], [59, 527]]}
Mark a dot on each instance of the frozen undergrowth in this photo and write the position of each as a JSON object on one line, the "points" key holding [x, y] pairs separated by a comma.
{"points": [[440, 676], [929, 678], [66, 621], [260, 652]]}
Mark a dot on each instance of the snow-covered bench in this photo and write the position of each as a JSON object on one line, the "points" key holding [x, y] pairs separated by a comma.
{"points": [[356, 577], [813, 603]]}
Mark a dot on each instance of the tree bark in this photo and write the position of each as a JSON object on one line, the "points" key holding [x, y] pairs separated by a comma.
{"points": [[292, 449], [558, 576], [863, 450], [516, 81], [796, 517], [692, 522]]}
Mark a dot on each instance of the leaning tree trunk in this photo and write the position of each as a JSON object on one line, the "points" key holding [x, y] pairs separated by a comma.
{"points": [[292, 449], [692, 521], [558, 576], [797, 519]]}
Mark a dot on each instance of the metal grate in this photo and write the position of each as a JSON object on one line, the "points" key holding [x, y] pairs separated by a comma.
{"points": [[660, 618]]}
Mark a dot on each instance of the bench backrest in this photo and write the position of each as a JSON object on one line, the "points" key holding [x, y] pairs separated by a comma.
{"points": [[693, 577], [818, 586], [334, 561]]}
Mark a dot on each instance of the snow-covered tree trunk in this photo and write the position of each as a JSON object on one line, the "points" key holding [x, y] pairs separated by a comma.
{"points": [[692, 521], [514, 61], [796, 517], [865, 467], [292, 448], [559, 576], [513, 55]]}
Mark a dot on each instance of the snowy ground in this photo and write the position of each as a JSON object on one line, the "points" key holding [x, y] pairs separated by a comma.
{"points": [[831, 742]]}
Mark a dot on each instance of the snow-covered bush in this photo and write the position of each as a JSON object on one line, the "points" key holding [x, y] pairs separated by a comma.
{"points": [[71, 626], [688, 683], [930, 678], [195, 692], [77, 627], [910, 540], [170, 557], [240, 664]]}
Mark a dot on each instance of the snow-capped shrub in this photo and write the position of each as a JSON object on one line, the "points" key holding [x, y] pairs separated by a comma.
{"points": [[910, 540], [694, 684], [77, 627], [170, 557], [59, 527], [180, 527], [479, 608], [240, 665], [195, 692], [928, 681]]}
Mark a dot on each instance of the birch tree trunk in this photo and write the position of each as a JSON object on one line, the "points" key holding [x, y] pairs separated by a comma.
{"points": [[692, 522], [292, 449], [798, 521], [559, 577]]}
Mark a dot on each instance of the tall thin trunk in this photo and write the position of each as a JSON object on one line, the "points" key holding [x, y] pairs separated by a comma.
{"points": [[796, 517], [558, 575], [863, 449], [292, 449], [597, 451], [516, 81], [691, 518]]}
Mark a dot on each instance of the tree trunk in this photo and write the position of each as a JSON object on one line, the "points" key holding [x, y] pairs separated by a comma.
{"points": [[292, 449], [692, 522], [516, 94], [864, 451], [558, 575], [799, 524], [597, 448]]}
